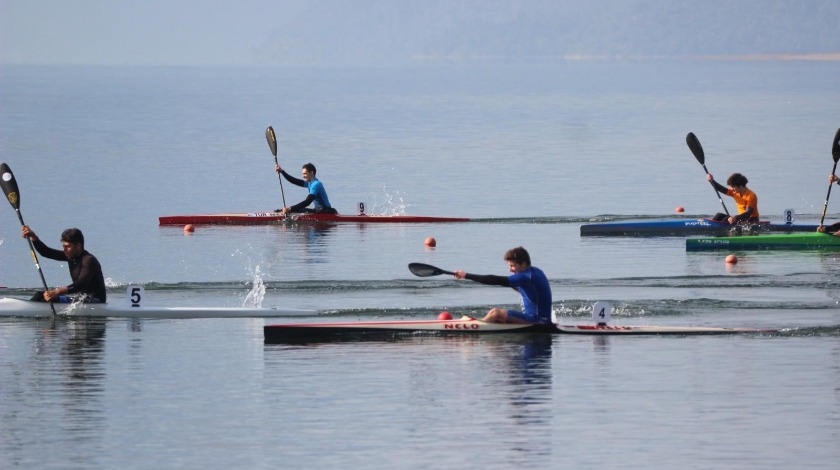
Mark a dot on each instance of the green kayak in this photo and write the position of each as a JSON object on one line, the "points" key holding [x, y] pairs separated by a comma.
{"points": [[781, 241]]}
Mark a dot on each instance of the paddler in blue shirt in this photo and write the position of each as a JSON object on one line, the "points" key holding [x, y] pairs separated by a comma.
{"points": [[529, 281], [833, 229], [317, 193]]}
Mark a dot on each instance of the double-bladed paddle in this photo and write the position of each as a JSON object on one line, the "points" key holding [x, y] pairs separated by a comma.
{"points": [[10, 189], [426, 270], [272, 144], [835, 153], [697, 150]]}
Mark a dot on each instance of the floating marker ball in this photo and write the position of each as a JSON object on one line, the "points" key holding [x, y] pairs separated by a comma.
{"points": [[731, 259], [679, 209], [444, 316], [189, 228], [430, 242]]}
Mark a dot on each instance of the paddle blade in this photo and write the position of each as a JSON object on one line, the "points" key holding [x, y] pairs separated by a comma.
{"points": [[695, 147], [9, 185], [271, 139], [426, 270], [835, 147]]}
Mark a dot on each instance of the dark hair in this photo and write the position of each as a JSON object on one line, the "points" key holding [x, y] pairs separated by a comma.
{"points": [[73, 235], [737, 179], [518, 255], [310, 168]]}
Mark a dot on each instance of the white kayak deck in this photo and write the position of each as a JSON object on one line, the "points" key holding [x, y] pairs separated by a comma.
{"points": [[655, 330], [12, 307]]}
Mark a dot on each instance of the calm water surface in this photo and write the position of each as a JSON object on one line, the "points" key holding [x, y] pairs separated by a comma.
{"points": [[532, 152]]}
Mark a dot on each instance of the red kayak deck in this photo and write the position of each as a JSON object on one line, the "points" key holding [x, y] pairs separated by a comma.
{"points": [[267, 218]]}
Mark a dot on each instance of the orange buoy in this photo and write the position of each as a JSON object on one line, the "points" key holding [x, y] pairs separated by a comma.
{"points": [[189, 228], [731, 259], [444, 316], [430, 242]]}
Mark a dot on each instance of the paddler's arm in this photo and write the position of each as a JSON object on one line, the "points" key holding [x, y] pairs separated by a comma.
{"points": [[743, 216], [719, 187], [833, 229], [55, 293], [40, 246], [488, 279], [290, 178], [306, 202]]}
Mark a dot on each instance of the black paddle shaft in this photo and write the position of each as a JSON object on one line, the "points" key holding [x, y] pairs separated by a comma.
{"points": [[697, 150], [835, 154], [10, 189], [271, 138]]}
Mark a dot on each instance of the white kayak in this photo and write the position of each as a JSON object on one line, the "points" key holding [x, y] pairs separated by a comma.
{"points": [[656, 330], [12, 307]]}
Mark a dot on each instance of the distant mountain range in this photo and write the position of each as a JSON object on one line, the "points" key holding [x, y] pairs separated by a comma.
{"points": [[362, 32]]}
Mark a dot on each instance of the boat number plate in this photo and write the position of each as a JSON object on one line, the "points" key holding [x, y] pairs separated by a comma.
{"points": [[134, 295], [601, 312]]}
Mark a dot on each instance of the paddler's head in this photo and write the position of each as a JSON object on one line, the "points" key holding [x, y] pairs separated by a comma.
{"points": [[308, 171], [72, 242], [737, 182], [518, 259]]}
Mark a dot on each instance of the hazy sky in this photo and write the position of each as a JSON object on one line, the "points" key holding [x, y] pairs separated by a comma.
{"points": [[138, 31], [289, 32]]}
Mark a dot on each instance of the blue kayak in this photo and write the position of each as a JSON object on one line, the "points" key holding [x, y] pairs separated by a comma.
{"points": [[680, 227]]}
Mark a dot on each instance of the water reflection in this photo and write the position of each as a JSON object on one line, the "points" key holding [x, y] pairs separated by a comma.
{"points": [[63, 383], [530, 393], [310, 240], [601, 343], [830, 261], [445, 390]]}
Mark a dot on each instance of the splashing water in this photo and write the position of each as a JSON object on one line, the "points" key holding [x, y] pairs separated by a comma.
{"points": [[71, 308], [393, 204], [255, 296]]}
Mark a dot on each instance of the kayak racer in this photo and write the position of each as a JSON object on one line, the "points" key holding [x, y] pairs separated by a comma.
{"points": [[88, 282], [745, 199], [317, 193], [529, 281]]}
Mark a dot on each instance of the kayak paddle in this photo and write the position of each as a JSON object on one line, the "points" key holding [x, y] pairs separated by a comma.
{"points": [[426, 270], [10, 189], [835, 153], [697, 150], [272, 144]]}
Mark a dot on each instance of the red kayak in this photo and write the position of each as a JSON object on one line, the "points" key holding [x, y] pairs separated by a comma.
{"points": [[266, 218]]}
